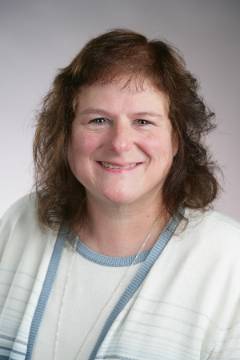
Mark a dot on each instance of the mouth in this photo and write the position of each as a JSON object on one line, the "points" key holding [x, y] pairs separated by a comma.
{"points": [[114, 167]]}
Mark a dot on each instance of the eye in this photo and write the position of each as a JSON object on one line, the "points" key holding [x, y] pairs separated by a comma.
{"points": [[143, 122], [98, 121]]}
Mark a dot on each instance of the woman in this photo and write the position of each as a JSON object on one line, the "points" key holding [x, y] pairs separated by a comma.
{"points": [[117, 254]]}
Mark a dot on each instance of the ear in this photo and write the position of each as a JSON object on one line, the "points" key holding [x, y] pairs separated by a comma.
{"points": [[175, 143], [74, 104]]}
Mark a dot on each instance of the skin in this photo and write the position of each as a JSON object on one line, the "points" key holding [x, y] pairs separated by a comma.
{"points": [[130, 129]]}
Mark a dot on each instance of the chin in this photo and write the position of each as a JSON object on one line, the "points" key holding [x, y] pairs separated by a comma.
{"points": [[120, 198]]}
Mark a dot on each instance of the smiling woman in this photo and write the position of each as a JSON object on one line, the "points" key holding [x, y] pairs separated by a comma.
{"points": [[139, 151], [118, 254]]}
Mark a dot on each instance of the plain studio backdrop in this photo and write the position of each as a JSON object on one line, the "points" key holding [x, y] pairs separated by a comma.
{"points": [[39, 37]]}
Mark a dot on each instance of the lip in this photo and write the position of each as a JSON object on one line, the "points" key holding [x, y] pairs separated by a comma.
{"points": [[119, 170]]}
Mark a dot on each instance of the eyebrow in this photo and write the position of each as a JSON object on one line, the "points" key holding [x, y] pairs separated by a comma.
{"points": [[105, 113]]}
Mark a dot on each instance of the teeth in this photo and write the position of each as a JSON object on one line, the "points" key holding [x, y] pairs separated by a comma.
{"points": [[112, 166]]}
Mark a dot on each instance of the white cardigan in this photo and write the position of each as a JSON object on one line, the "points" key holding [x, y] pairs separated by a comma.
{"points": [[183, 303]]}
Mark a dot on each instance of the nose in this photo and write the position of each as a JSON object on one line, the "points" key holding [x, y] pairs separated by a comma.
{"points": [[121, 137]]}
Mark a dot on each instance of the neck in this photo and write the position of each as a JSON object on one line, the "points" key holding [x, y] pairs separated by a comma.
{"points": [[121, 230]]}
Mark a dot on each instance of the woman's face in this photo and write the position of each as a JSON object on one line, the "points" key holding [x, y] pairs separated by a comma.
{"points": [[122, 143]]}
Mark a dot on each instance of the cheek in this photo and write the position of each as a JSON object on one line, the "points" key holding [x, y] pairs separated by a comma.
{"points": [[81, 151], [82, 145], [159, 146]]}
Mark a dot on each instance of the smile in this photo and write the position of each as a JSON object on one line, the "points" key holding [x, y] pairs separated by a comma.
{"points": [[117, 167]]}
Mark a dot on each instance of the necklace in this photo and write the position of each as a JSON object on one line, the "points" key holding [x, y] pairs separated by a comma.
{"points": [[116, 288]]}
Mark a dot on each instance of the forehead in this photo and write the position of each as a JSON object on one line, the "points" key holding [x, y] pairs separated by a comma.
{"points": [[132, 83], [123, 92]]}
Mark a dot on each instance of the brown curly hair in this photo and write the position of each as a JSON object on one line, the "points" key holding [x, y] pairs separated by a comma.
{"points": [[190, 182]]}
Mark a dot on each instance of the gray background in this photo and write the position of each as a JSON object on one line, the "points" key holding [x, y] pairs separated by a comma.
{"points": [[38, 37]]}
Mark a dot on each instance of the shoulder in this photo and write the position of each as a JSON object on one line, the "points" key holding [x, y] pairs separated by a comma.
{"points": [[23, 211], [212, 222], [22, 205], [213, 231], [20, 224]]}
